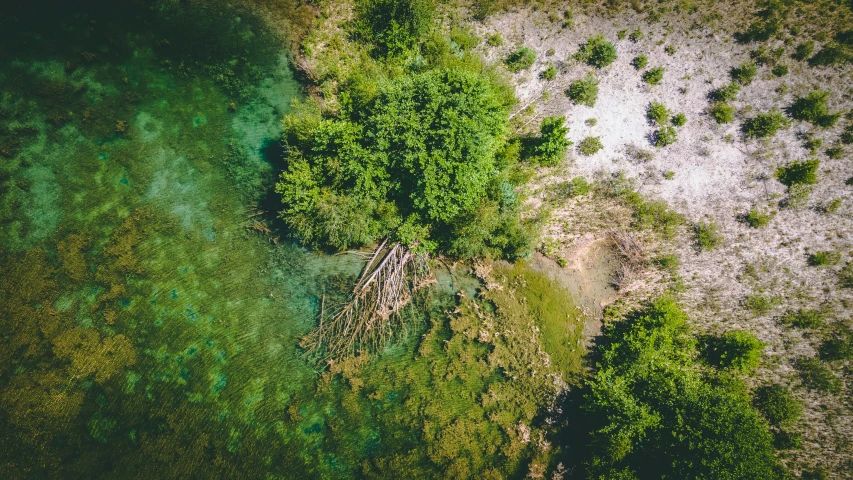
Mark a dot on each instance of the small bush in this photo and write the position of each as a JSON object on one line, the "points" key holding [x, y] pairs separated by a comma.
{"points": [[464, 38], [818, 473], [798, 197], [812, 109], [744, 73], [798, 173], [590, 145], [591, 122], [813, 144], [778, 406], [847, 135], [787, 440], [577, 187], [640, 62], [803, 51], [655, 215], [665, 136], [584, 91], [835, 153], [621, 34], [552, 142], [831, 54], [597, 52], [654, 76], [838, 347], [669, 175], [817, 376], [756, 219], [707, 236], [765, 124], [736, 350], [495, 40], [845, 276], [726, 93], [636, 35], [760, 304], [657, 113], [679, 120], [670, 49], [803, 319], [722, 112], [550, 73], [669, 262], [831, 207], [521, 59], [780, 70], [823, 258]]}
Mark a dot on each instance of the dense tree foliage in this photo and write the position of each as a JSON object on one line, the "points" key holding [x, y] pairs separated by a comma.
{"points": [[393, 26], [657, 415]]}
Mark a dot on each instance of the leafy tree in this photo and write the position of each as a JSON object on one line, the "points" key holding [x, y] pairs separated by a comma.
{"points": [[778, 406], [654, 76], [654, 415], [422, 150], [597, 52], [521, 59], [799, 173], [812, 109], [584, 91], [393, 26], [552, 143], [765, 124], [658, 113]]}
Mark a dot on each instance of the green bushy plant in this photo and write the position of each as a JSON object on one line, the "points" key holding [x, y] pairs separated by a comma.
{"points": [[495, 40], [736, 349], [757, 219], [837, 347], [798, 173], [817, 376], [778, 406], [803, 51], [665, 136], [780, 70], [707, 236], [550, 73], [640, 62], [765, 124], [521, 59], [823, 258], [845, 275], [653, 76], [658, 113], [597, 52], [679, 120], [804, 319], [584, 91], [726, 93], [590, 145], [636, 35], [722, 112], [393, 27], [552, 144], [744, 73], [812, 109]]}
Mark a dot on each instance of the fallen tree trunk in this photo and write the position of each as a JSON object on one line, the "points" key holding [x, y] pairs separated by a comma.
{"points": [[371, 315]]}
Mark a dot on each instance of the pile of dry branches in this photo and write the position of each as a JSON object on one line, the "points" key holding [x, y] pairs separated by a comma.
{"points": [[633, 257], [371, 315]]}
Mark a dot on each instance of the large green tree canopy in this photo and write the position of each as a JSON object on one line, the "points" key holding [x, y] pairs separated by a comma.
{"points": [[412, 160]]}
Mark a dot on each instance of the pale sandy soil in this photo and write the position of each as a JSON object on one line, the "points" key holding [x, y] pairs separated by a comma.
{"points": [[719, 175]]}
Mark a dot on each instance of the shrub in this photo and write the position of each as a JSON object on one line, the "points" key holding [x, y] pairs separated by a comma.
{"points": [[817, 376], [640, 62], [835, 153], [707, 236], [823, 258], [652, 214], [621, 34], [798, 196], [818, 473], [636, 35], [813, 144], [736, 350], [591, 122], [552, 143], [550, 73], [464, 38], [803, 319], [679, 120], [665, 136], [654, 76], [799, 173], [756, 219], [722, 112], [597, 52], [495, 40], [838, 347], [765, 124], [577, 187], [726, 93], [812, 109], [658, 113], [787, 440], [669, 175], [780, 70], [847, 135], [669, 262], [845, 276], [584, 91], [778, 406], [521, 59], [803, 51], [760, 304], [831, 54], [590, 145], [744, 73], [670, 49], [393, 27]]}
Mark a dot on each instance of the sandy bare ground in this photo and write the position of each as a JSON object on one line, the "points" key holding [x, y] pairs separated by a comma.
{"points": [[718, 176]]}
